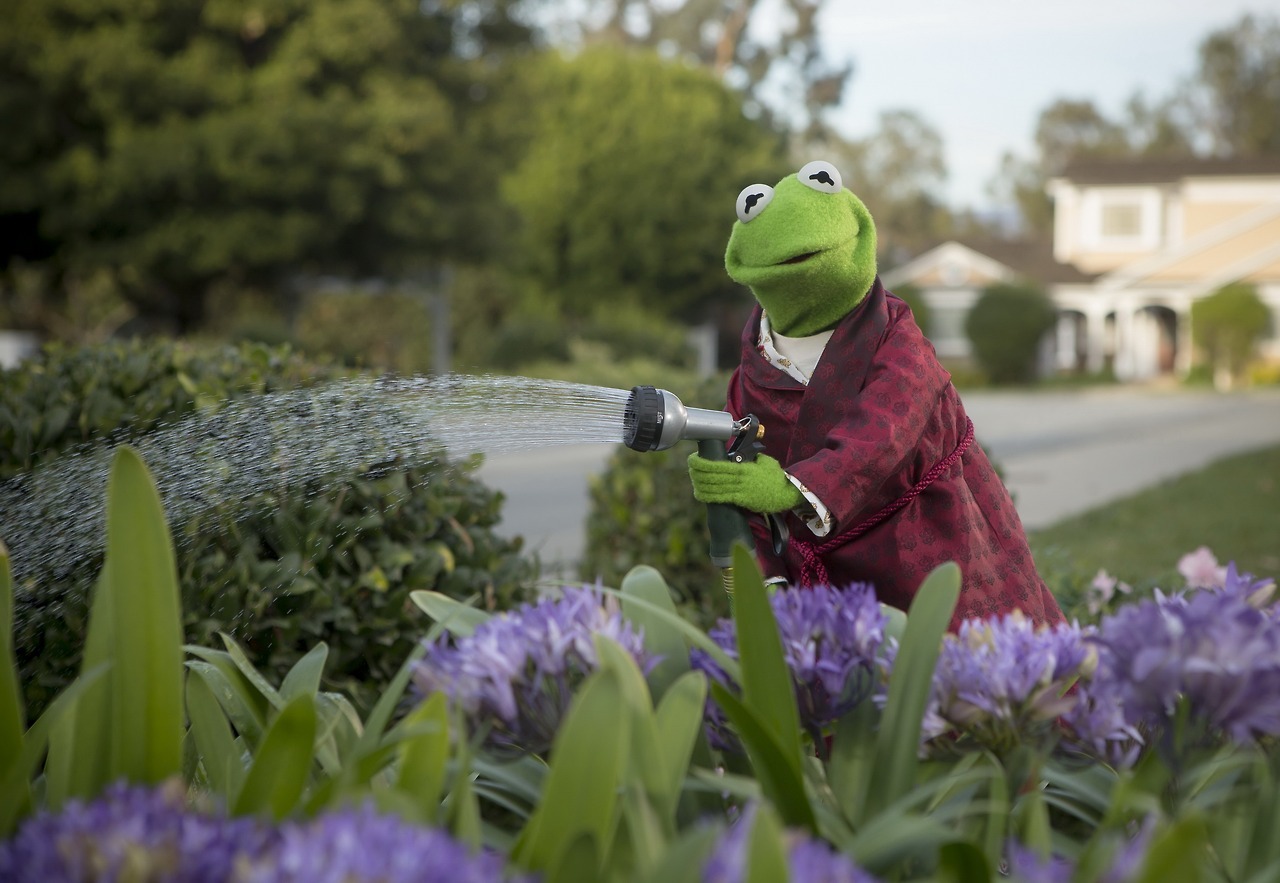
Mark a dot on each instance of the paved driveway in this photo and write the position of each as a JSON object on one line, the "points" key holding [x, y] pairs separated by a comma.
{"points": [[1062, 453]]}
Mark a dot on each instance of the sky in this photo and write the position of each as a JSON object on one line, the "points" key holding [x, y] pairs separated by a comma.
{"points": [[981, 71]]}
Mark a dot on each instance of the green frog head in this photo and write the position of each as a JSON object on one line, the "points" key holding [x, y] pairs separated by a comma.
{"points": [[806, 248]]}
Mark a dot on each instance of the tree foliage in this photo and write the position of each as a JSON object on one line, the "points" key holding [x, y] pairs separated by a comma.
{"points": [[1227, 325], [627, 187], [726, 38], [182, 142]]}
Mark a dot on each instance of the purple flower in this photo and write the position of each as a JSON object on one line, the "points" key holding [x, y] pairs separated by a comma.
{"points": [[830, 638], [515, 676], [1003, 682], [808, 860], [131, 832], [361, 846], [1213, 650]]}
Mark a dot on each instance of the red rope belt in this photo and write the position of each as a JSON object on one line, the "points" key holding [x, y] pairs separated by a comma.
{"points": [[814, 572]]}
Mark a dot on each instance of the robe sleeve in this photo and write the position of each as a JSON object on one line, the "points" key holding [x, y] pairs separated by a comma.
{"points": [[878, 436]]}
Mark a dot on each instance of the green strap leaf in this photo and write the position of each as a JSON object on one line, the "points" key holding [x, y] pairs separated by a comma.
{"points": [[898, 741], [424, 754], [34, 744], [766, 851], [146, 675], [780, 779], [766, 681], [304, 677], [460, 619], [244, 706], [588, 760], [221, 757], [1178, 853], [12, 715], [80, 746], [853, 757], [660, 638], [282, 764], [679, 722], [13, 719]]}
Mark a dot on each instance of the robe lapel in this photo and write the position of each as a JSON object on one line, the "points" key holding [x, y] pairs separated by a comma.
{"points": [[840, 374]]}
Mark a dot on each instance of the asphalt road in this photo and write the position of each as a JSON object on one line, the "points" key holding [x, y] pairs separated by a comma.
{"points": [[1062, 453]]}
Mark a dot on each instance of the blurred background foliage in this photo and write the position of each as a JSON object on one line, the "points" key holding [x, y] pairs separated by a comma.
{"points": [[307, 172]]}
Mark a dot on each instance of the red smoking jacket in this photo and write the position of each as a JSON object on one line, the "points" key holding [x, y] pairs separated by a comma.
{"points": [[878, 415]]}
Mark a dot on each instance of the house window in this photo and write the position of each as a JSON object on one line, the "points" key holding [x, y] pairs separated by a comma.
{"points": [[1121, 220]]}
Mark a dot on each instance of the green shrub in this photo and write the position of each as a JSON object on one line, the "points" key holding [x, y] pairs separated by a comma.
{"points": [[527, 338], [642, 511], [919, 306], [1226, 325], [1005, 327], [329, 561], [69, 396]]}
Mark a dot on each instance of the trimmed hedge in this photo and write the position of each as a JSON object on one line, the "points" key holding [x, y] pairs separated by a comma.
{"points": [[331, 561]]}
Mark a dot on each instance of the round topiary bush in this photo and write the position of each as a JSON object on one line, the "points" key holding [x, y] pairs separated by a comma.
{"points": [[331, 557], [1005, 327], [1227, 325]]}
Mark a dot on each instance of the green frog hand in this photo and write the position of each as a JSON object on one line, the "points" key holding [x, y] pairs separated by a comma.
{"points": [[760, 485]]}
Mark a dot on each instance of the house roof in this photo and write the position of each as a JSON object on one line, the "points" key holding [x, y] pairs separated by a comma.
{"points": [[1161, 171], [1032, 258]]}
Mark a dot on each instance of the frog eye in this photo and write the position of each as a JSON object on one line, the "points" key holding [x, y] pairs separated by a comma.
{"points": [[821, 176], [752, 200]]}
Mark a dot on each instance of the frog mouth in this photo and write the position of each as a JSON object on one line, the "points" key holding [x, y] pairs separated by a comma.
{"points": [[801, 258]]}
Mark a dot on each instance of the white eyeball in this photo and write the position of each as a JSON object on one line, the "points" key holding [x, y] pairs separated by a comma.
{"points": [[821, 176], [752, 200]]}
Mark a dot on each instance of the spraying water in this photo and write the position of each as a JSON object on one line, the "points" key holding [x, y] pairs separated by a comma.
{"points": [[52, 518]]}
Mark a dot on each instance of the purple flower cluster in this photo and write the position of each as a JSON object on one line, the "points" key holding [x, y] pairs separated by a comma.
{"points": [[1213, 650], [809, 860], [830, 638], [138, 833], [514, 677], [132, 833], [362, 846], [1002, 683]]}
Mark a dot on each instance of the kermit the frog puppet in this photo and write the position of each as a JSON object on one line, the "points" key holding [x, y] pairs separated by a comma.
{"points": [[869, 457]]}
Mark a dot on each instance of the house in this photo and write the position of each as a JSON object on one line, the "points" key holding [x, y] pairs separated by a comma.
{"points": [[1134, 244]]}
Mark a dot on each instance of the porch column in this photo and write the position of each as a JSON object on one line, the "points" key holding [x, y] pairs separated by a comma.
{"points": [[1065, 342], [1125, 367], [1095, 340], [1183, 353]]}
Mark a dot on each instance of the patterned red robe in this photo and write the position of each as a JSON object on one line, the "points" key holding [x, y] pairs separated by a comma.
{"points": [[878, 414]]}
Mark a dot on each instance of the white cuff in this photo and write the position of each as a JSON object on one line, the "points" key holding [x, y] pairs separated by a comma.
{"points": [[818, 517]]}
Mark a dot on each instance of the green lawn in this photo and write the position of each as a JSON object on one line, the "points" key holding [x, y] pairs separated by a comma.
{"points": [[1232, 506]]}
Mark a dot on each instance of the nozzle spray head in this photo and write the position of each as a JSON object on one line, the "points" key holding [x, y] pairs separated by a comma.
{"points": [[655, 420]]}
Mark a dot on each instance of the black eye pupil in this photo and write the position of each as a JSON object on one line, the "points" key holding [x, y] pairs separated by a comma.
{"points": [[823, 178], [752, 199]]}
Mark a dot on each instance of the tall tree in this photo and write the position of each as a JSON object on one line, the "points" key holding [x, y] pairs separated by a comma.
{"points": [[182, 142], [1236, 91], [626, 192], [762, 49]]}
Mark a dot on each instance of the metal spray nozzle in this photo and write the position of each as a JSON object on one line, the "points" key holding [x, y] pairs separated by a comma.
{"points": [[654, 420]]}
